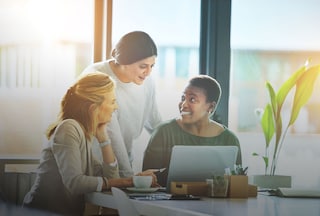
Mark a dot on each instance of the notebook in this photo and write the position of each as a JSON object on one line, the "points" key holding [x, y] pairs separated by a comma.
{"points": [[197, 163], [298, 192]]}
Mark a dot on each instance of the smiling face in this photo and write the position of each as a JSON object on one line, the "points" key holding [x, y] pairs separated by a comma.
{"points": [[193, 106], [106, 109], [136, 72]]}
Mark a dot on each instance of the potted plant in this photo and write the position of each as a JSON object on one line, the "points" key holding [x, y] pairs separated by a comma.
{"points": [[238, 182], [274, 129]]}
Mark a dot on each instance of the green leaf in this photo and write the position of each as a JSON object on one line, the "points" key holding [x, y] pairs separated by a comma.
{"points": [[267, 124], [304, 89], [278, 132], [266, 161], [272, 95], [287, 86]]}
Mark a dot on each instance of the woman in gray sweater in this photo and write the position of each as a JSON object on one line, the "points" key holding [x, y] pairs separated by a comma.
{"points": [[68, 169]]}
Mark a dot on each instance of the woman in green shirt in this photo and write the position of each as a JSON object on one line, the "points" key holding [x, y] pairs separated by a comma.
{"points": [[194, 126]]}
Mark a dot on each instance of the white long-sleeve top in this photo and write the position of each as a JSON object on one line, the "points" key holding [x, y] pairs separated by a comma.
{"points": [[137, 109]]}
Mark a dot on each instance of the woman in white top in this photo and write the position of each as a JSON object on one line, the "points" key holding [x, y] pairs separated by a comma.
{"points": [[130, 66]]}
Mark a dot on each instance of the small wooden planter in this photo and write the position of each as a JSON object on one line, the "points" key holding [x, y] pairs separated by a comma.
{"points": [[238, 187]]}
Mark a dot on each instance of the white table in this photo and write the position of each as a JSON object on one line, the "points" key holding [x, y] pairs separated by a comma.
{"points": [[261, 206]]}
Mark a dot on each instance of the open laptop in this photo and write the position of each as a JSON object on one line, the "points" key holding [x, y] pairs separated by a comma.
{"points": [[197, 163]]}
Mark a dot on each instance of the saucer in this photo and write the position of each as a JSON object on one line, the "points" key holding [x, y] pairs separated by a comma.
{"points": [[146, 190]]}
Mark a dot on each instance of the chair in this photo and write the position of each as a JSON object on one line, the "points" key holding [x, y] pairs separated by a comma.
{"points": [[124, 205]]}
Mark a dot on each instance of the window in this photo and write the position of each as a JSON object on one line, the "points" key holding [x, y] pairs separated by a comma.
{"points": [[271, 48], [51, 44], [44, 45], [269, 41]]}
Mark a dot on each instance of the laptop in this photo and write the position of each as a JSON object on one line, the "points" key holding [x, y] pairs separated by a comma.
{"points": [[197, 163]]}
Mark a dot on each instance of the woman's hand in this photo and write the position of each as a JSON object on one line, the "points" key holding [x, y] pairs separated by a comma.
{"points": [[101, 133], [150, 172]]}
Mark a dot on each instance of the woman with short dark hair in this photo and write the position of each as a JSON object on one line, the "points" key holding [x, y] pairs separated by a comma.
{"points": [[199, 101]]}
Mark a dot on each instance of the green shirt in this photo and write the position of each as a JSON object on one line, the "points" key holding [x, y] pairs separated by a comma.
{"points": [[169, 134]]}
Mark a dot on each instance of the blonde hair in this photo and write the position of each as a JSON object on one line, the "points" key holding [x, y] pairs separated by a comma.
{"points": [[76, 104]]}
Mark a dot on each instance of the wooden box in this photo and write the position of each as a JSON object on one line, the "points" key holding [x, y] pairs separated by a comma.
{"points": [[252, 190], [193, 188], [238, 186]]}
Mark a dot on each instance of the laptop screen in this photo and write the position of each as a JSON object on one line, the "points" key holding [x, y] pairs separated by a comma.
{"points": [[197, 163]]}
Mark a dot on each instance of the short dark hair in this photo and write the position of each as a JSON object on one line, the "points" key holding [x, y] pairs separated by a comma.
{"points": [[210, 86]]}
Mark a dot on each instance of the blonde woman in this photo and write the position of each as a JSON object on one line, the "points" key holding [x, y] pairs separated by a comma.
{"points": [[68, 169]]}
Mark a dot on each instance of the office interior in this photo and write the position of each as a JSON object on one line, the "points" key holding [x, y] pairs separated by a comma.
{"points": [[44, 46]]}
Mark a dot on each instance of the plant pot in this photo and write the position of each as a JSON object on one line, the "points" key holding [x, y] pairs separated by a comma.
{"points": [[271, 182], [238, 186]]}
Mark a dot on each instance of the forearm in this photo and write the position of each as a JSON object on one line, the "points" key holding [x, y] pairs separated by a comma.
{"points": [[118, 182], [107, 154], [106, 148]]}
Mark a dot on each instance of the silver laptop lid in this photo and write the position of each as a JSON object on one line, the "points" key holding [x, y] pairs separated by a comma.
{"points": [[197, 163]]}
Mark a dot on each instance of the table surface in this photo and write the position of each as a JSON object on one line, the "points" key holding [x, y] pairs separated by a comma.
{"points": [[253, 206]]}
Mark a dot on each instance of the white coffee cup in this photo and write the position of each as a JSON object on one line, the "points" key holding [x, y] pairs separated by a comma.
{"points": [[142, 181]]}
